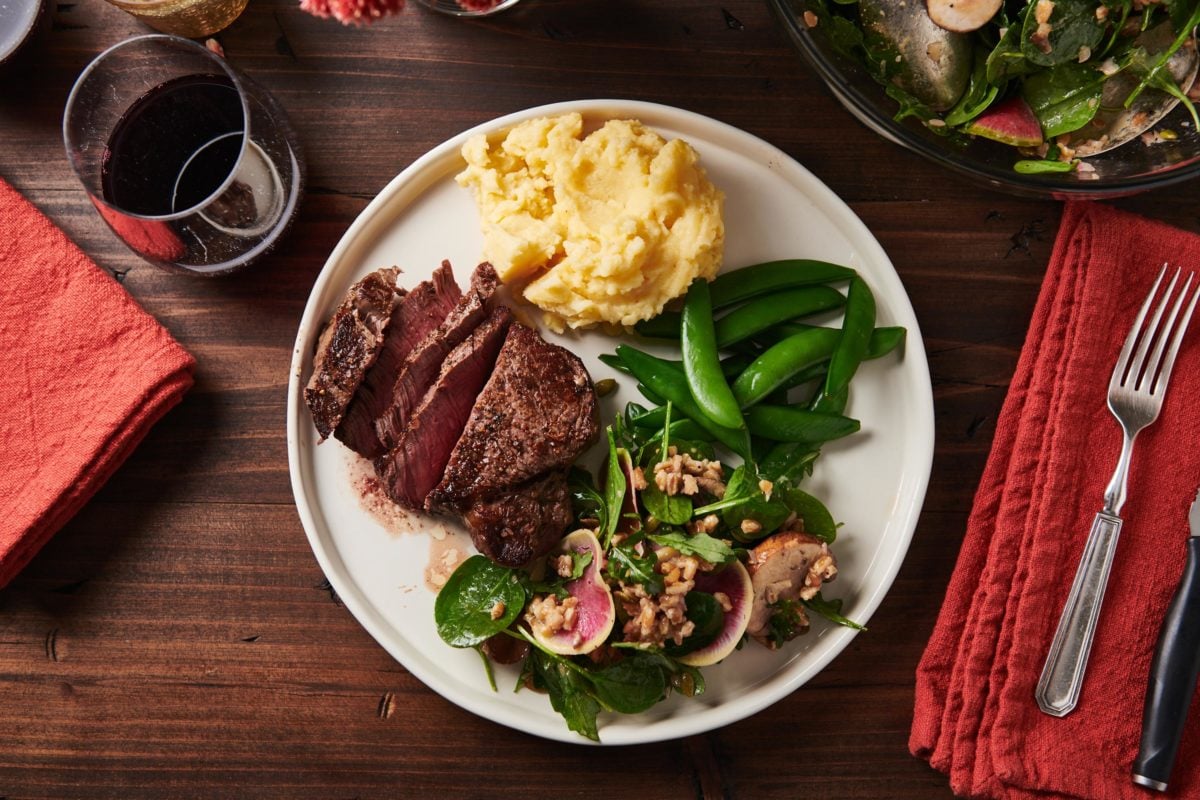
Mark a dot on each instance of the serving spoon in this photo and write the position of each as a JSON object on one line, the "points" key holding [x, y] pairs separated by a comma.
{"points": [[1114, 125]]}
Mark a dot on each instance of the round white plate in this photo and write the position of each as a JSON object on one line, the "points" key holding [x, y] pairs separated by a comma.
{"points": [[874, 482]]}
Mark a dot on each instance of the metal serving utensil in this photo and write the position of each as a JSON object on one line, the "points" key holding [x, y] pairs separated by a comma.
{"points": [[1135, 397]]}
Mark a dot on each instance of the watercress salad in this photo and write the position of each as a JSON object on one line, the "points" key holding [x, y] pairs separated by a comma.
{"points": [[1058, 79], [697, 536]]}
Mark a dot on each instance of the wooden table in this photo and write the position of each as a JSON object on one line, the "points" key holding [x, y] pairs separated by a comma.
{"points": [[178, 639]]}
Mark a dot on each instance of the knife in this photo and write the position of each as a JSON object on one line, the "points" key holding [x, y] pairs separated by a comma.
{"points": [[1173, 672]]}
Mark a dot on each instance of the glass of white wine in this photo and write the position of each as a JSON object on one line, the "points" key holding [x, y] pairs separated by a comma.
{"points": [[190, 18]]}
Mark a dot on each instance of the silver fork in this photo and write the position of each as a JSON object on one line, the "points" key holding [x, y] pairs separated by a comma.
{"points": [[1135, 396]]}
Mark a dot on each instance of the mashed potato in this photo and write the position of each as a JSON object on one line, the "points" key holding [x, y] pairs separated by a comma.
{"points": [[606, 228]]}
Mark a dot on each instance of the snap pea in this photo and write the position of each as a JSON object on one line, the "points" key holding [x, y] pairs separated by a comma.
{"points": [[655, 418], [611, 360], [773, 368], [787, 461], [753, 317], [763, 312], [883, 341], [660, 381], [771, 276], [702, 363], [790, 424], [857, 325]]}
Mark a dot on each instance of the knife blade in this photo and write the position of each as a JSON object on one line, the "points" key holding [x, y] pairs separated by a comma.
{"points": [[1173, 672]]}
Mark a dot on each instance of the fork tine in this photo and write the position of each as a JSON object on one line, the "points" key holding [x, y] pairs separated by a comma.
{"points": [[1149, 381], [1137, 368], [1122, 365], [1160, 385]]}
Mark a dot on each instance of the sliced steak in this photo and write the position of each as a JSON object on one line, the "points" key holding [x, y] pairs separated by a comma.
{"points": [[348, 346], [515, 526], [415, 316], [421, 367], [414, 466], [537, 414]]}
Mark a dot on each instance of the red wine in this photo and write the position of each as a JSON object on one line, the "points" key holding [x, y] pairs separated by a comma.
{"points": [[174, 146]]}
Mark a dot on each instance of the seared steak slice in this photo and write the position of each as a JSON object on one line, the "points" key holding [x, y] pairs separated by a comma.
{"points": [[414, 317], [422, 365], [515, 526], [536, 415], [349, 346], [414, 466]]}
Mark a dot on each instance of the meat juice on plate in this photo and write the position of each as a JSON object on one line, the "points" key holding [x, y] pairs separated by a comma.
{"points": [[183, 147]]}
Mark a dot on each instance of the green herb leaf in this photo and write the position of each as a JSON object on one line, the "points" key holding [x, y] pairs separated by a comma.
{"points": [[706, 613], [769, 514], [569, 693], [1038, 167], [1064, 98], [700, 545], [463, 608], [614, 488], [632, 685], [671, 509], [817, 520], [786, 622], [832, 611], [1006, 59], [1073, 26], [586, 502], [624, 564], [979, 94]]}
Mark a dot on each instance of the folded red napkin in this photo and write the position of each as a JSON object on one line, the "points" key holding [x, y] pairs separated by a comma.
{"points": [[1055, 448], [84, 374]]}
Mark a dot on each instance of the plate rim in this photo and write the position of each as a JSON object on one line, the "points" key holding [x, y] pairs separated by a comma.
{"points": [[746, 144]]}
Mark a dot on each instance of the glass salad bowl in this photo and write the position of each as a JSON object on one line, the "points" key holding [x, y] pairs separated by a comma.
{"points": [[1131, 168]]}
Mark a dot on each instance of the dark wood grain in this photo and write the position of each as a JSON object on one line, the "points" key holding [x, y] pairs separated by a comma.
{"points": [[178, 639]]}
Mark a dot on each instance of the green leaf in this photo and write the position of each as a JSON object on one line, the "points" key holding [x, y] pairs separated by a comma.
{"points": [[632, 685], [569, 693], [706, 613], [1039, 167], [614, 488], [979, 94], [1006, 59], [832, 611], [1073, 27], [1064, 98], [785, 623], [671, 509], [818, 521], [487, 667], [586, 502], [463, 608], [700, 545], [624, 564], [769, 514]]}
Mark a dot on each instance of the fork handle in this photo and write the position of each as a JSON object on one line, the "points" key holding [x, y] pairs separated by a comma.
{"points": [[1062, 676]]}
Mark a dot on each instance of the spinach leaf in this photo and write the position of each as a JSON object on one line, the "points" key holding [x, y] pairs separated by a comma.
{"points": [[614, 488], [632, 685], [1073, 27], [769, 514], [1006, 59], [832, 611], [701, 545], [817, 519], [586, 502], [624, 564], [1064, 98], [979, 95], [709, 618], [463, 608], [671, 509], [785, 623], [569, 692]]}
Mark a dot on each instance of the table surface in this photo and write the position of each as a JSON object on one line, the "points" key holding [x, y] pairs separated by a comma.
{"points": [[177, 638]]}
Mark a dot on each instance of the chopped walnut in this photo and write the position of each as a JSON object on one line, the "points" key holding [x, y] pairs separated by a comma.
{"points": [[765, 486], [707, 524], [498, 609], [656, 619], [751, 526], [810, 19], [564, 565], [679, 473], [639, 478]]}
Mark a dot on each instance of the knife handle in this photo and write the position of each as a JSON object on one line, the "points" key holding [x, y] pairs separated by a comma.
{"points": [[1173, 674]]}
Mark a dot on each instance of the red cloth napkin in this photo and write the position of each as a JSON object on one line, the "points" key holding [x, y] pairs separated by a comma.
{"points": [[1055, 448], [84, 374]]}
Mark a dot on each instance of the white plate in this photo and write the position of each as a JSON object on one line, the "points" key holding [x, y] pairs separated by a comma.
{"points": [[874, 482]]}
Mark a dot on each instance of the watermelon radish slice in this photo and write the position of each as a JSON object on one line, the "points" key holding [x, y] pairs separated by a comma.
{"points": [[734, 583], [1011, 122], [595, 611]]}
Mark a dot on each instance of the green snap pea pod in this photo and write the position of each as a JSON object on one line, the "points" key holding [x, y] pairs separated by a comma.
{"points": [[664, 326], [742, 284], [655, 398], [759, 314], [790, 424], [655, 418], [857, 325], [883, 341], [662, 381], [731, 366], [702, 363], [612, 360], [787, 461], [774, 367]]}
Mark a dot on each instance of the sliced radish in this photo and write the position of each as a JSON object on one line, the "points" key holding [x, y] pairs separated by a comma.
{"points": [[734, 583], [595, 612]]}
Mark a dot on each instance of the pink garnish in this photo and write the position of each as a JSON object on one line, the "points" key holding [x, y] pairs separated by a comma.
{"points": [[354, 12], [479, 5]]}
